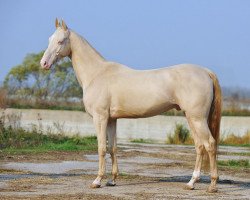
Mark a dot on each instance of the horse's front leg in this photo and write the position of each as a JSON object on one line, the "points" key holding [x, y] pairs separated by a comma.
{"points": [[100, 122]]}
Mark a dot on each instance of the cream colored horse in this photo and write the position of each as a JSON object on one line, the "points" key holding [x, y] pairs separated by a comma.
{"points": [[113, 91]]}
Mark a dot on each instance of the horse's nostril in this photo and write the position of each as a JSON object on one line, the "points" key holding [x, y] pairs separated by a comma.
{"points": [[44, 63]]}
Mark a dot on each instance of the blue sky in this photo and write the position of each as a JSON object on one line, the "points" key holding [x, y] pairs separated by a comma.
{"points": [[142, 34]]}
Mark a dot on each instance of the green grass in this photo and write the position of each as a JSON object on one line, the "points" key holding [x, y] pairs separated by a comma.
{"points": [[244, 163], [47, 106], [181, 135], [17, 141], [235, 145], [238, 153], [228, 112], [51, 146], [86, 144], [141, 140], [237, 112]]}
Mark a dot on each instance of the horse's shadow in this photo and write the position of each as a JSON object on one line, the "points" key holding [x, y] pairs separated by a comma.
{"points": [[172, 179], [205, 179], [185, 179]]}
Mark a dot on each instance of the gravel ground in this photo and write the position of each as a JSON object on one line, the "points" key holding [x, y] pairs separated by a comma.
{"points": [[147, 171]]}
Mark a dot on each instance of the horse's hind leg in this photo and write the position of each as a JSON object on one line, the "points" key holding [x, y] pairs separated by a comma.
{"points": [[212, 151], [199, 155], [111, 131], [204, 139]]}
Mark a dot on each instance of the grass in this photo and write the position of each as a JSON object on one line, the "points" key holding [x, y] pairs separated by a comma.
{"points": [[53, 143], [181, 136], [14, 139], [235, 145], [18, 140], [88, 144], [235, 153], [236, 140], [226, 112], [236, 112], [243, 163], [140, 140], [44, 104], [3, 94], [241, 153]]}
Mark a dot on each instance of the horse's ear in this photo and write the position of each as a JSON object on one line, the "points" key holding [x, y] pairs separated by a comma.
{"points": [[64, 26], [57, 23]]}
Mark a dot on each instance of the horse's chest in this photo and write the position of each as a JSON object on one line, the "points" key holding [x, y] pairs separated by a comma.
{"points": [[95, 99]]}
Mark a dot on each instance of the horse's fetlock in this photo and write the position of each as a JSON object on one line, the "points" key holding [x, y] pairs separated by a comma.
{"points": [[214, 177], [196, 175]]}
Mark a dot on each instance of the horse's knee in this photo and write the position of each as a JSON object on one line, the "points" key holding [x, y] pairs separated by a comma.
{"points": [[210, 145], [102, 151], [200, 148], [112, 150]]}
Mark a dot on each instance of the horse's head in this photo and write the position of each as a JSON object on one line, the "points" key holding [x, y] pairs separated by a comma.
{"points": [[59, 46]]}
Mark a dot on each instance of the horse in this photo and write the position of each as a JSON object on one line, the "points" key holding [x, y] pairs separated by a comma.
{"points": [[112, 91]]}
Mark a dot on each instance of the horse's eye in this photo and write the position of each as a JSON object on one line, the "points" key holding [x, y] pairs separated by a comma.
{"points": [[59, 42]]}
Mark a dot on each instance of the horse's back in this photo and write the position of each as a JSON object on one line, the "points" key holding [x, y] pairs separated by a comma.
{"points": [[150, 92], [142, 93]]}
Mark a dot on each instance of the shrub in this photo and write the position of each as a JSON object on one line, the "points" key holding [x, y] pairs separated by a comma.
{"points": [[3, 95], [236, 140], [181, 135]]}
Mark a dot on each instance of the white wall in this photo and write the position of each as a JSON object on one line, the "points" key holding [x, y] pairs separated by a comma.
{"points": [[154, 128]]}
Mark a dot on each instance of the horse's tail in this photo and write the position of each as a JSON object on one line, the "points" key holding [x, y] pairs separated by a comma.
{"points": [[214, 117]]}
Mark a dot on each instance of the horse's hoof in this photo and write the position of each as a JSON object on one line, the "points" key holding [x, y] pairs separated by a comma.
{"points": [[110, 183], [95, 185], [212, 189], [188, 187]]}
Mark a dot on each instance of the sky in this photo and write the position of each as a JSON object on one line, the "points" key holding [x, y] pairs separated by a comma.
{"points": [[142, 34]]}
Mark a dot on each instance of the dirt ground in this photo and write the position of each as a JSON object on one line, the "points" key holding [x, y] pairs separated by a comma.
{"points": [[147, 171]]}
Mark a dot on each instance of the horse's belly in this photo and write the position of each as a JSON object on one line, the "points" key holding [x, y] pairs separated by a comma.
{"points": [[142, 108], [143, 95]]}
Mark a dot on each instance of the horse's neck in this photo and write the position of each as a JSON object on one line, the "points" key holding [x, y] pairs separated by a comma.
{"points": [[86, 61]]}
